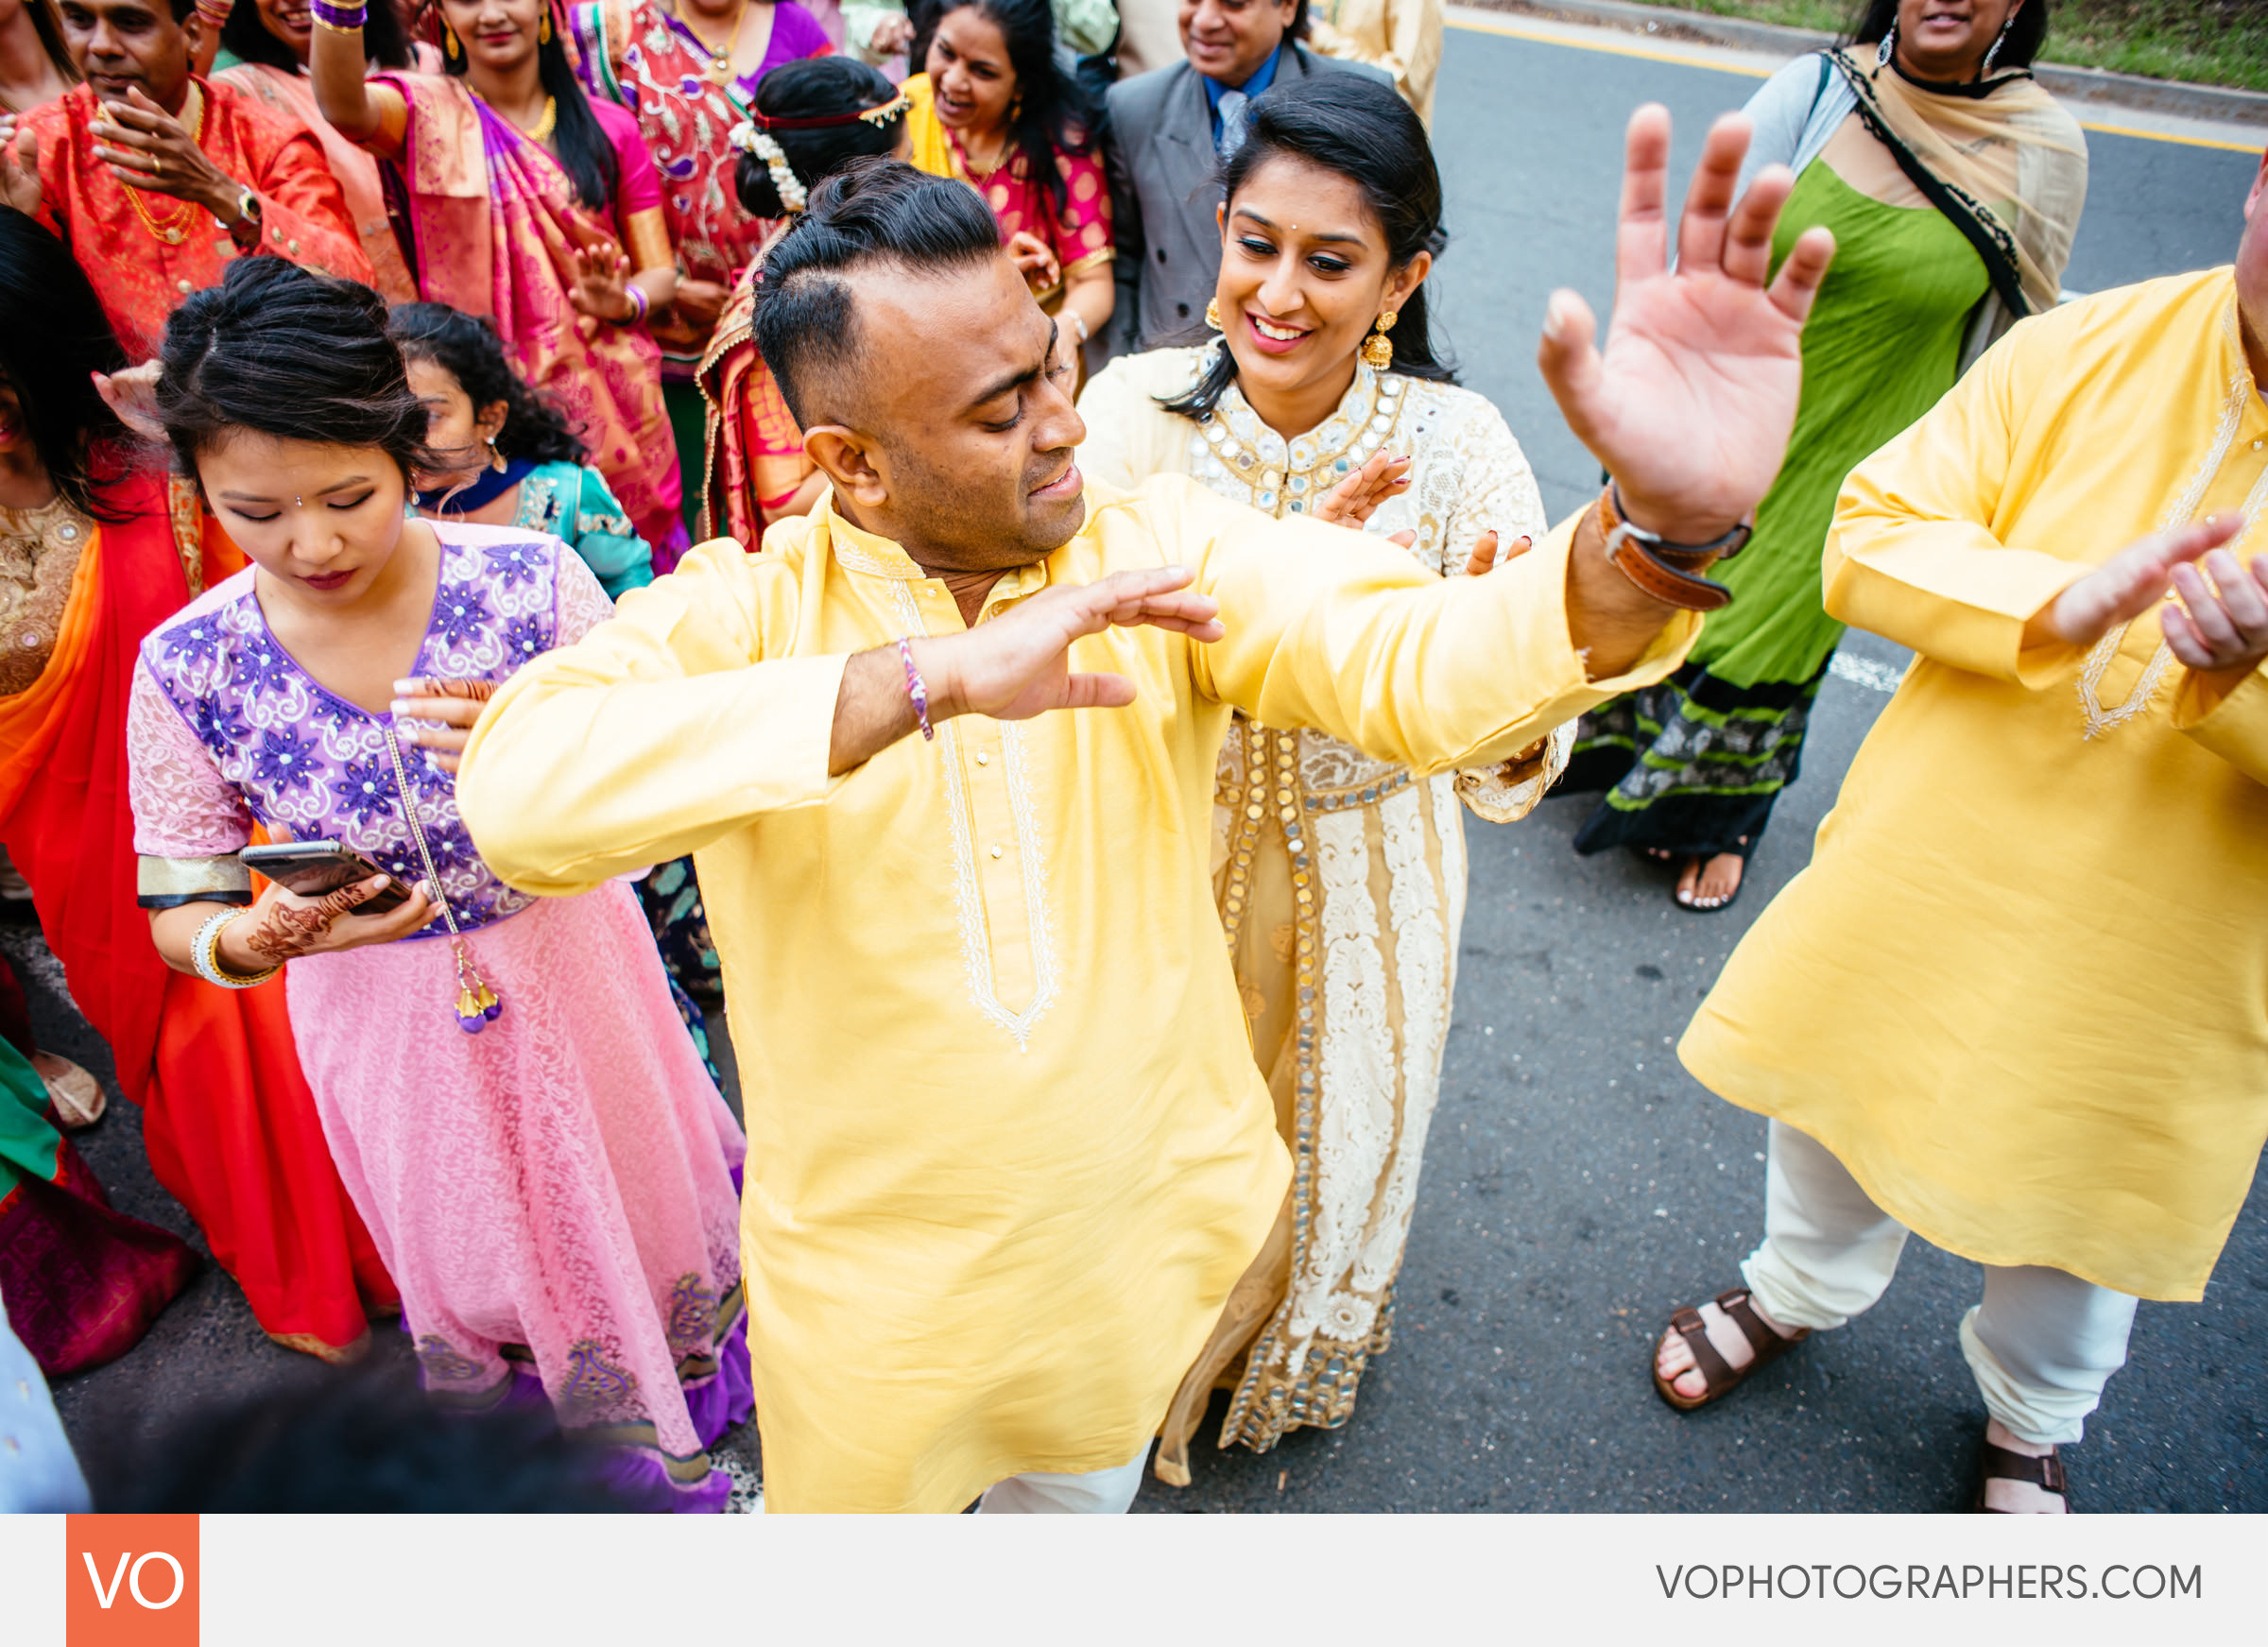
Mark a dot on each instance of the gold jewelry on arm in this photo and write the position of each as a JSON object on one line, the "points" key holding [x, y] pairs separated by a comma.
{"points": [[204, 954], [646, 237]]}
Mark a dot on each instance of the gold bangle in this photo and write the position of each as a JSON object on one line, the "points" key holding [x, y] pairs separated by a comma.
{"points": [[204, 954], [336, 28]]}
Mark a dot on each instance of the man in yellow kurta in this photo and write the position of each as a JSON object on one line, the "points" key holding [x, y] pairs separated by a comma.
{"points": [[1008, 1151], [2019, 1002]]}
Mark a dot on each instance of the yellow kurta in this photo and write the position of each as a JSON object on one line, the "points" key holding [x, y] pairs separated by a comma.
{"points": [[2022, 991], [1402, 37], [1007, 1150]]}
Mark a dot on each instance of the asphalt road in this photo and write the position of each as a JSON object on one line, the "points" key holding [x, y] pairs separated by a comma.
{"points": [[1579, 1186]]}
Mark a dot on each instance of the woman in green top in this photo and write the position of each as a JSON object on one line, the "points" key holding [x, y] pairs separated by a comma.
{"points": [[1952, 184], [523, 466]]}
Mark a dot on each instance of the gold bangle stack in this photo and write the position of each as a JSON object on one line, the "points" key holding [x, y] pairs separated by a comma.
{"points": [[204, 954]]}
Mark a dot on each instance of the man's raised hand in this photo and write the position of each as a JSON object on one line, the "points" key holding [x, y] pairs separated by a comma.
{"points": [[1014, 666], [1690, 406], [1017, 665]]}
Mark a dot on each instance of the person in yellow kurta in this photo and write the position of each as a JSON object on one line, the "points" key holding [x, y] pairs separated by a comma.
{"points": [[1010, 1152], [2016, 1004], [1402, 37]]}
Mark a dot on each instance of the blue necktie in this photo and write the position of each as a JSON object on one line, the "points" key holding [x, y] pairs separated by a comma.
{"points": [[1232, 123]]}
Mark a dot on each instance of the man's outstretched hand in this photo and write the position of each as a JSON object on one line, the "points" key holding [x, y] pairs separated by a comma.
{"points": [[1690, 406], [1014, 666]]}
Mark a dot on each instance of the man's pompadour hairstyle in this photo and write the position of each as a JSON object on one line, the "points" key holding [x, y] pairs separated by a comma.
{"points": [[878, 211]]}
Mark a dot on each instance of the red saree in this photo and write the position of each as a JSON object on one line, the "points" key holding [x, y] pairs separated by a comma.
{"points": [[228, 1118], [495, 223], [756, 461]]}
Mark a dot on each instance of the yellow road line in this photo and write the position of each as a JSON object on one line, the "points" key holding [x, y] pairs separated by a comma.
{"points": [[2169, 137], [1684, 60]]}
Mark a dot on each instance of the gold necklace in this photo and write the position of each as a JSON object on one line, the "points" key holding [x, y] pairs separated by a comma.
{"points": [[173, 228], [719, 72], [541, 132]]}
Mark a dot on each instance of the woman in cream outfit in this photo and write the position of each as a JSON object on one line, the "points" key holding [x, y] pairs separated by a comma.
{"points": [[1340, 878]]}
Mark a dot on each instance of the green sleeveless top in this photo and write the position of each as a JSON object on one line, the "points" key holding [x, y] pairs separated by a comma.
{"points": [[1882, 343]]}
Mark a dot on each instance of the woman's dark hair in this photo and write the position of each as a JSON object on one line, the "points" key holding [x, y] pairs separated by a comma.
{"points": [[48, 25], [1056, 113], [283, 352], [2027, 33], [586, 154], [1361, 129], [814, 89], [365, 1439], [873, 210], [384, 42], [53, 334], [467, 348]]}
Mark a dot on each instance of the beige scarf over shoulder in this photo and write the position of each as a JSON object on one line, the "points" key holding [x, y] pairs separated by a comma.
{"points": [[2008, 165]]}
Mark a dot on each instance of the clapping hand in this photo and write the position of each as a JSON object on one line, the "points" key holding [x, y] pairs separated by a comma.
{"points": [[437, 715], [1692, 404], [599, 281], [132, 396], [148, 149], [1354, 500], [19, 165], [2210, 631], [1034, 261]]}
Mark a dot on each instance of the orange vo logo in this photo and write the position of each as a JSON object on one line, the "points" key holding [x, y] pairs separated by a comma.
{"points": [[131, 1581]]}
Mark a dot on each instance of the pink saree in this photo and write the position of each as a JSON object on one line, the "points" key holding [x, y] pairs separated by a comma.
{"points": [[494, 222]]}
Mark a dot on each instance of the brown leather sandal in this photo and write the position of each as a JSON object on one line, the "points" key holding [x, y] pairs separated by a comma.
{"points": [[1999, 1464], [1719, 1377]]}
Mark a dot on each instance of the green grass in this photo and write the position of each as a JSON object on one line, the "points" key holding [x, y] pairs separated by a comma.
{"points": [[2214, 42]]}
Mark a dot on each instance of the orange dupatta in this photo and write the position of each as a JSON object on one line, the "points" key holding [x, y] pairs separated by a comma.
{"points": [[227, 1115]]}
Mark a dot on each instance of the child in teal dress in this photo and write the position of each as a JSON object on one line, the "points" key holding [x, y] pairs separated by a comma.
{"points": [[520, 462], [515, 461]]}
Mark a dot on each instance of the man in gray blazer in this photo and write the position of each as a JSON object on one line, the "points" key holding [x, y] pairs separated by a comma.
{"points": [[1168, 130]]}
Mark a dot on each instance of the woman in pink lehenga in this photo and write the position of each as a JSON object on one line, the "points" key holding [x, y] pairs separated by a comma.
{"points": [[513, 1099], [526, 201]]}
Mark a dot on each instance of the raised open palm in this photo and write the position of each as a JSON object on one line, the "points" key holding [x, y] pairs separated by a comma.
{"points": [[1017, 665], [1690, 406]]}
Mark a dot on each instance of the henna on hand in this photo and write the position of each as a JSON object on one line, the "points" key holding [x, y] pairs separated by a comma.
{"points": [[288, 931]]}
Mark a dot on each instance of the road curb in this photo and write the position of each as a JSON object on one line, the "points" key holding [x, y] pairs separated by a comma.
{"points": [[2098, 87]]}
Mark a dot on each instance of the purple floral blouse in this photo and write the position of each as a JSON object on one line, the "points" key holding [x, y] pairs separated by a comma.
{"points": [[225, 729]]}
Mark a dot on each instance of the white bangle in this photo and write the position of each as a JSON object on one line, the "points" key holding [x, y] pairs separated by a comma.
{"points": [[1080, 321], [204, 954]]}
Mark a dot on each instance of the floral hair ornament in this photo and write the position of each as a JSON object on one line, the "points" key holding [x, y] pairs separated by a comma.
{"points": [[748, 140], [878, 116]]}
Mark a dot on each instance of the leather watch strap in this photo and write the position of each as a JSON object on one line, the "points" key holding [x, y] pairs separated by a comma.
{"points": [[1668, 572]]}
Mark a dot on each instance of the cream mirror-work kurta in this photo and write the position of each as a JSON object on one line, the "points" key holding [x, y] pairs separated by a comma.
{"points": [[1340, 877], [1008, 1151]]}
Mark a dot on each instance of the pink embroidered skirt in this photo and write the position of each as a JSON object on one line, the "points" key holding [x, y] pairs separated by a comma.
{"points": [[557, 1190]]}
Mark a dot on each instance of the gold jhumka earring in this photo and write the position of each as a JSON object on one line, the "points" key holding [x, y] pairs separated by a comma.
{"points": [[1212, 315], [544, 29], [1378, 349]]}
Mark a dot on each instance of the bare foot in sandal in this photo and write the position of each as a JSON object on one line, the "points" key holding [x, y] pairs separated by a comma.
{"points": [[2008, 1496], [1674, 1362], [1711, 885]]}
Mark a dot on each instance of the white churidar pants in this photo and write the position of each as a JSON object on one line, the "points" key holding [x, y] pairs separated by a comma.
{"points": [[2041, 1346], [1099, 1492]]}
